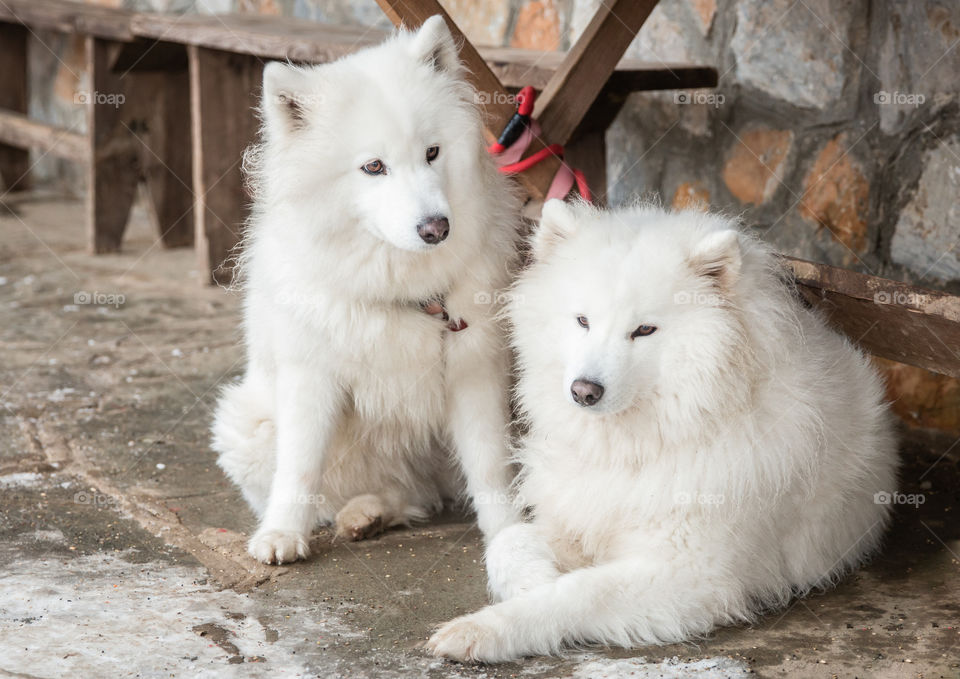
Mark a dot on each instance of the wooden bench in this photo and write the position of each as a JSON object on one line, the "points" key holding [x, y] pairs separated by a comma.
{"points": [[189, 85]]}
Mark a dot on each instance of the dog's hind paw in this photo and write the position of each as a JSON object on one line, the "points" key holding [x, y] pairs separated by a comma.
{"points": [[362, 517], [278, 546], [468, 639]]}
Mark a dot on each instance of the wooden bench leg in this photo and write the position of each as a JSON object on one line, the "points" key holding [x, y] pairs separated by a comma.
{"points": [[589, 153], [165, 154], [224, 89], [113, 171], [14, 162]]}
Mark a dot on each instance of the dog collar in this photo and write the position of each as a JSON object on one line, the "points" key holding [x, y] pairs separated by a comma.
{"points": [[435, 308]]}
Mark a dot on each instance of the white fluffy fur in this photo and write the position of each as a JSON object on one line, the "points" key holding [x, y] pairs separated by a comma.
{"points": [[731, 463], [352, 394]]}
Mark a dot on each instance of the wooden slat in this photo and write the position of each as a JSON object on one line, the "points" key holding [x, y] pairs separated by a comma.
{"points": [[497, 109], [588, 153], [640, 77], [165, 153], [147, 54], [891, 319], [69, 17], [14, 160], [265, 37], [113, 169], [518, 67], [19, 131], [224, 89], [587, 66], [298, 40]]}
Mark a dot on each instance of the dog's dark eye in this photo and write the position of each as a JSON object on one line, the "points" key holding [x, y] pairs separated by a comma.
{"points": [[375, 167], [432, 153], [584, 323], [643, 331]]}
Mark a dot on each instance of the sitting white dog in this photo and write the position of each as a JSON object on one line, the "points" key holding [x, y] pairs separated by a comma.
{"points": [[701, 446], [381, 232]]}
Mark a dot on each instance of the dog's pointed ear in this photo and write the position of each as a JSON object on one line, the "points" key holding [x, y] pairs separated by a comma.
{"points": [[433, 44], [285, 97], [558, 220], [717, 256]]}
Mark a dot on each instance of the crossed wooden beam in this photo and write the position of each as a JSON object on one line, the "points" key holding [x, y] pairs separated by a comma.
{"points": [[563, 104]]}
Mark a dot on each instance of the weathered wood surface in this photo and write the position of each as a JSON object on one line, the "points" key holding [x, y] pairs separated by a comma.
{"points": [[586, 67], [14, 160], [224, 90], [298, 40], [19, 131], [63, 16], [113, 166], [518, 67], [891, 319], [166, 152]]}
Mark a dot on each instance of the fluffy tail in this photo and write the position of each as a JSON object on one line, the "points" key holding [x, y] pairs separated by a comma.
{"points": [[244, 435]]}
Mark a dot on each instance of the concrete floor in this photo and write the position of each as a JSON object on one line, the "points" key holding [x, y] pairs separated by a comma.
{"points": [[121, 544]]}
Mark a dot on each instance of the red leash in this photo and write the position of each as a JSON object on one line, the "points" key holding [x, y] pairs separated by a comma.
{"points": [[516, 137]]}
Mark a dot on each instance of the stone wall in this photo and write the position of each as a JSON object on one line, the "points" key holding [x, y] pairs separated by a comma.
{"points": [[835, 130]]}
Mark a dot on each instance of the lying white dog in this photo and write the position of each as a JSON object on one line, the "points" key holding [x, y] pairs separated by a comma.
{"points": [[380, 236], [701, 447]]}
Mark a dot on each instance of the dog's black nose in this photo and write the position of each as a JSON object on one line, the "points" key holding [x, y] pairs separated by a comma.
{"points": [[434, 229], [585, 392]]}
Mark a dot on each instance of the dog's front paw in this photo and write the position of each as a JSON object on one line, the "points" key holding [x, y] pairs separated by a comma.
{"points": [[278, 546], [362, 517], [471, 638]]}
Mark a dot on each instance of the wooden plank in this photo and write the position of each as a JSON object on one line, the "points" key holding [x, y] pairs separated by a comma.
{"points": [[266, 37], [113, 168], [144, 54], [69, 17], [589, 154], [166, 153], [298, 40], [496, 102], [891, 319], [519, 67], [14, 160], [224, 90], [311, 42], [587, 66], [20, 132]]}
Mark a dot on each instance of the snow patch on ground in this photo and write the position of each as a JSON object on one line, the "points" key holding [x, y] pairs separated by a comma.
{"points": [[21, 480], [100, 615], [672, 668]]}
